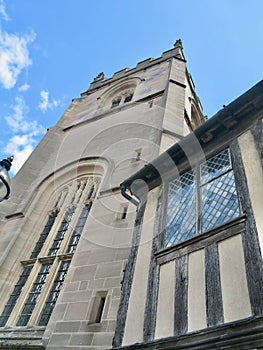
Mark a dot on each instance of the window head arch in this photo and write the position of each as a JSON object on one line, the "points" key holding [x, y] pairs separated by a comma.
{"points": [[43, 270], [124, 97], [120, 93]]}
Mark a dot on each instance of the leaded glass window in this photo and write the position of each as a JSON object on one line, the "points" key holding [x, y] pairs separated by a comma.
{"points": [[78, 229], [75, 199], [54, 293], [44, 234], [14, 295], [61, 232], [195, 208], [181, 210], [33, 295]]}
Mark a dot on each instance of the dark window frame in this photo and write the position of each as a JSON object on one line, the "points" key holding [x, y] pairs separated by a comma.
{"points": [[198, 200], [122, 99]]}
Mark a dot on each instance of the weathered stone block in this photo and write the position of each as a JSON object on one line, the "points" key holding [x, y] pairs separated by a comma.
{"points": [[81, 339], [76, 296], [77, 311], [67, 327], [112, 282], [59, 339], [84, 273], [102, 339], [109, 270]]}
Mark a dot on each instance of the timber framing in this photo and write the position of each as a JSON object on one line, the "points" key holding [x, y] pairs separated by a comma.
{"points": [[216, 133], [246, 334]]}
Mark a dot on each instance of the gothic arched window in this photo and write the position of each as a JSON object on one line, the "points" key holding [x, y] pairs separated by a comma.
{"points": [[34, 296], [123, 97]]}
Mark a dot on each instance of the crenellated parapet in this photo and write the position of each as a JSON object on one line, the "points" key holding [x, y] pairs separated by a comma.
{"points": [[100, 80]]}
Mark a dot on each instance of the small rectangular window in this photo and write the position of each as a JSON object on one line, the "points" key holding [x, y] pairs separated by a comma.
{"points": [[98, 307], [122, 213], [138, 154]]}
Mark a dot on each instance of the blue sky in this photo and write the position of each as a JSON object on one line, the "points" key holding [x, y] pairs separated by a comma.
{"points": [[50, 51]]}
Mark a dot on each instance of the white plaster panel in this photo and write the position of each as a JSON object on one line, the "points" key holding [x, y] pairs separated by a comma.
{"points": [[254, 176], [236, 303], [133, 332], [196, 291], [165, 307]]}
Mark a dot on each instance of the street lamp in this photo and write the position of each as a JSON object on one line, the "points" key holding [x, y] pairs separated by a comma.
{"points": [[5, 165]]}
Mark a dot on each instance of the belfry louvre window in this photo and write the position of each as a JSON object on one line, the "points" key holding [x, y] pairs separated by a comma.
{"points": [[124, 97], [34, 296], [128, 98], [195, 207], [116, 102]]}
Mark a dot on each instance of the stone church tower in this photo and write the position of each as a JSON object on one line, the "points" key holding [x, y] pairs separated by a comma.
{"points": [[67, 232], [135, 224]]}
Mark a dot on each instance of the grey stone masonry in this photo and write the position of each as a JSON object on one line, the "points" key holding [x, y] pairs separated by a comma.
{"points": [[93, 139]]}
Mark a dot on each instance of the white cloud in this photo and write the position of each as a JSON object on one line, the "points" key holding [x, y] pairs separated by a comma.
{"points": [[3, 11], [24, 87], [20, 150], [45, 102], [43, 105], [24, 134], [14, 56]]}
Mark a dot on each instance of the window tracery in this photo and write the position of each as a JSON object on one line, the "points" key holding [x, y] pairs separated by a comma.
{"points": [[122, 98], [55, 246]]}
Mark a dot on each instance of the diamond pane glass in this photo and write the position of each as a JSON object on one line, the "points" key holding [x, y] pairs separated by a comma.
{"points": [[180, 220], [215, 166], [219, 202]]}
